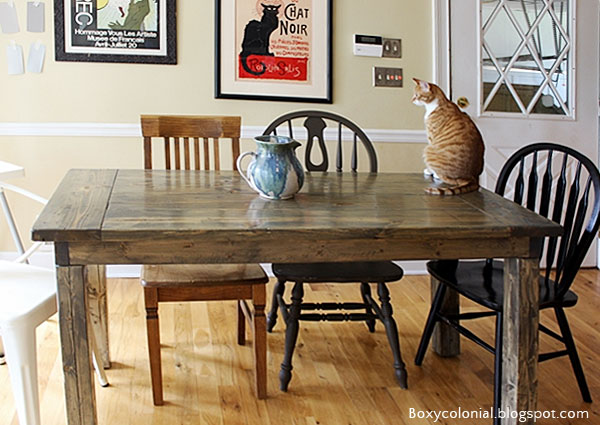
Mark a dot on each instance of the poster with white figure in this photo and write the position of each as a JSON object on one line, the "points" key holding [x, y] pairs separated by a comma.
{"points": [[116, 31]]}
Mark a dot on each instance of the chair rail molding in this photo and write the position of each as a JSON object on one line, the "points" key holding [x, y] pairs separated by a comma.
{"points": [[76, 129]]}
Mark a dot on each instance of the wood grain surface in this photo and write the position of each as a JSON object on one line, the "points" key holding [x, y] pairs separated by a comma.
{"points": [[152, 205]]}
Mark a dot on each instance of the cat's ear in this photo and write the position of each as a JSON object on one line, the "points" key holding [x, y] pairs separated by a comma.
{"points": [[423, 84]]}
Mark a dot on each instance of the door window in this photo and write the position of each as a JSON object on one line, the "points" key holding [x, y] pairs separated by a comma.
{"points": [[527, 56]]}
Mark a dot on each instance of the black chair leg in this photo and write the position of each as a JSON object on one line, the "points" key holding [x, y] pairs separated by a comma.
{"points": [[565, 330], [392, 334], [498, 369], [430, 324], [291, 335], [365, 291], [279, 289]]}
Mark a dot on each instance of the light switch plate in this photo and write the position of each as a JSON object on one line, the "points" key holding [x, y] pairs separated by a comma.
{"points": [[387, 77], [392, 48]]}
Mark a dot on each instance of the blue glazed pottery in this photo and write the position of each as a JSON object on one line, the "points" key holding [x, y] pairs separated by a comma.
{"points": [[274, 172]]}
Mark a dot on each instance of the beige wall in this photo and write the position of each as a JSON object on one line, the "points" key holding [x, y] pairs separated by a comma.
{"points": [[119, 93]]}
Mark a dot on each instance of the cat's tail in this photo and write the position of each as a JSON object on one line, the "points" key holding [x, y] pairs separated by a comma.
{"points": [[465, 186], [249, 70]]}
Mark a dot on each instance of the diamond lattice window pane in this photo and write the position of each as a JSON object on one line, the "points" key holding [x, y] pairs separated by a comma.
{"points": [[525, 78], [526, 56], [502, 38], [487, 9], [526, 12]]}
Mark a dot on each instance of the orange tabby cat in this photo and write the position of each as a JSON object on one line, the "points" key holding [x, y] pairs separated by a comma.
{"points": [[455, 150]]}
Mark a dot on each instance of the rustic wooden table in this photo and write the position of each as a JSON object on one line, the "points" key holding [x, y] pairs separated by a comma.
{"points": [[160, 217]]}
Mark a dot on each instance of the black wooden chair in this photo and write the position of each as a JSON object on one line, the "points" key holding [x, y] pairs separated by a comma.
{"points": [[569, 195], [313, 128]]}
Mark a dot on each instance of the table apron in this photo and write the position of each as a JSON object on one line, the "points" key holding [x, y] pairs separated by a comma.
{"points": [[288, 250]]}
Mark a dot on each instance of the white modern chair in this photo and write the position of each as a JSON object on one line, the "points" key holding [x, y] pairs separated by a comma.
{"points": [[28, 299]]}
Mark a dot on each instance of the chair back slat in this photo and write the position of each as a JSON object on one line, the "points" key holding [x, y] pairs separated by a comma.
{"points": [[532, 184], [576, 209], [186, 155], [178, 133], [235, 150], [315, 127], [312, 128], [197, 153], [568, 222], [354, 160], [339, 156], [559, 200], [217, 157], [579, 218], [546, 187], [177, 153], [147, 152], [206, 153], [167, 154], [520, 183]]}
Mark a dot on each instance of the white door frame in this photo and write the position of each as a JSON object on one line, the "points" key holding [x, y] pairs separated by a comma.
{"points": [[441, 45]]}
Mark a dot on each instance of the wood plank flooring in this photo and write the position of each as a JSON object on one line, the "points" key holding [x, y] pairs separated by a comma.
{"points": [[343, 375]]}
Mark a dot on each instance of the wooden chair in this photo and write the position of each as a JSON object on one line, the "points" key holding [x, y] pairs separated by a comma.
{"points": [[187, 137], [313, 131], [569, 195]]}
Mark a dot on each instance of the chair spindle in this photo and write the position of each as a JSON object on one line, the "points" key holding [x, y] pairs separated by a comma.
{"points": [[532, 184], [338, 155], [217, 157], [167, 153], [177, 153], [196, 153], [546, 187], [235, 149], [206, 154], [519, 183], [568, 222], [186, 153], [354, 159]]}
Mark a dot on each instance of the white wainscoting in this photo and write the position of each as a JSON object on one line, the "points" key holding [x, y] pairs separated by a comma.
{"points": [[44, 257], [72, 129]]}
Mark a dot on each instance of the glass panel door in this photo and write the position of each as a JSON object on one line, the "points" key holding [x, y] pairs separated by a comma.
{"points": [[527, 56]]}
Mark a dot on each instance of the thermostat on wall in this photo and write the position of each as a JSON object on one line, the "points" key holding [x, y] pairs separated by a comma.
{"points": [[368, 45]]}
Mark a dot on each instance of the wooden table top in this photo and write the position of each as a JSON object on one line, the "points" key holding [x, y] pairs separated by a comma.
{"points": [[142, 205]]}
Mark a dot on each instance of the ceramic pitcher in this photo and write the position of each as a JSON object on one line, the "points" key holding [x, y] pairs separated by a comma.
{"points": [[274, 171]]}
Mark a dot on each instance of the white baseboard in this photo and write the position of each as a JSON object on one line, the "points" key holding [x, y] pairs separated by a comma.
{"points": [[44, 257]]}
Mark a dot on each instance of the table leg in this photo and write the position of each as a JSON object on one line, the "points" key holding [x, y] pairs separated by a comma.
{"points": [[98, 308], [520, 337], [76, 354], [259, 330], [446, 340]]}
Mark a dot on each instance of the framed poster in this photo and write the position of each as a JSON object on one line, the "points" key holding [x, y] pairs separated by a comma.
{"points": [[139, 31], [273, 50]]}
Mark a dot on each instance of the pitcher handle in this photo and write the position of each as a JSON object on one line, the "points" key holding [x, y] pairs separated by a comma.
{"points": [[241, 171]]}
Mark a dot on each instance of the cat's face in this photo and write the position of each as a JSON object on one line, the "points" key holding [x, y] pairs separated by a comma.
{"points": [[271, 8], [424, 92]]}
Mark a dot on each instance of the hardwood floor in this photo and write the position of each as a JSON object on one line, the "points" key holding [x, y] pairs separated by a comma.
{"points": [[342, 373]]}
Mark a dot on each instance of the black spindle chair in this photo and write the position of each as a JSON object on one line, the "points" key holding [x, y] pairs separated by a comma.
{"points": [[311, 128], [569, 195]]}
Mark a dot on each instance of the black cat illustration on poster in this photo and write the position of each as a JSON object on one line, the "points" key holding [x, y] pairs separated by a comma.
{"points": [[257, 35]]}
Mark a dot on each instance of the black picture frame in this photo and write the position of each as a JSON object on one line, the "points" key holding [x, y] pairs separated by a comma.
{"points": [[229, 82], [114, 44]]}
